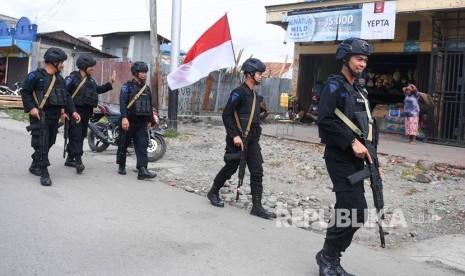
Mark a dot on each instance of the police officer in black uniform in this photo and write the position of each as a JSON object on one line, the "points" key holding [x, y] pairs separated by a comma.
{"points": [[344, 153], [241, 101], [136, 117], [44, 95], [84, 92]]}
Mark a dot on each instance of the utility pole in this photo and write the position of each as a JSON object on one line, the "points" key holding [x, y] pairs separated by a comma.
{"points": [[154, 53], [174, 61]]}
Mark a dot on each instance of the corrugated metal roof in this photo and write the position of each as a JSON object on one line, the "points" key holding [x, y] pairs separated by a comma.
{"points": [[66, 38], [274, 68], [159, 37]]}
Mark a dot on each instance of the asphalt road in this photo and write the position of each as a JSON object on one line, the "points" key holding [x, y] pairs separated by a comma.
{"points": [[101, 223]]}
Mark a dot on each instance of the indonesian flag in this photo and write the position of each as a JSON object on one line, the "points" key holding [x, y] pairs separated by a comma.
{"points": [[212, 51]]}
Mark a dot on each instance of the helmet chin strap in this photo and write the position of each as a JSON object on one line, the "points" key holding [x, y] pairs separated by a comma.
{"points": [[55, 64], [346, 63], [253, 78]]}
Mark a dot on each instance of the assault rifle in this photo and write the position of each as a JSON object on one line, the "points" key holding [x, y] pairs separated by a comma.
{"points": [[372, 171], [65, 136], [40, 126], [242, 165], [122, 150]]}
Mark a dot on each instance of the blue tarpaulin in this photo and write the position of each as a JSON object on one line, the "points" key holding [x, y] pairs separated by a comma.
{"points": [[165, 49]]}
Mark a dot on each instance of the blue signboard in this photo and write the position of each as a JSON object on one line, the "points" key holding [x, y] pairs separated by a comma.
{"points": [[367, 21], [411, 47], [325, 26]]}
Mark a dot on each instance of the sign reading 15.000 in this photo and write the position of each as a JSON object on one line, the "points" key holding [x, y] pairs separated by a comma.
{"points": [[338, 20], [324, 26]]}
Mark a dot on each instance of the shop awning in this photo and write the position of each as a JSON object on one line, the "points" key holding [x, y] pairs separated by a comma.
{"points": [[9, 46]]}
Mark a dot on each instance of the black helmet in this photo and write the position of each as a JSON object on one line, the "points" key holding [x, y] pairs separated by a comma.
{"points": [[85, 61], [53, 55], [353, 46], [253, 65], [139, 66]]}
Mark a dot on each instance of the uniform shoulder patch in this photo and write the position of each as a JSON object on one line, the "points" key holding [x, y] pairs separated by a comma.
{"points": [[31, 76], [125, 88], [68, 80], [333, 85], [235, 96]]}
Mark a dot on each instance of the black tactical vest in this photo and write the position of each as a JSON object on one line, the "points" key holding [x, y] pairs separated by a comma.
{"points": [[353, 106], [244, 110], [87, 95], [142, 106], [58, 95]]}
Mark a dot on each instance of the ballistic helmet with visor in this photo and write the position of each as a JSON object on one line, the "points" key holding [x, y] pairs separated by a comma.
{"points": [[54, 54], [139, 66], [85, 61], [353, 46], [253, 65]]}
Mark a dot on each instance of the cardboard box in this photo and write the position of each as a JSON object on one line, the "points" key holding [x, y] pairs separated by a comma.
{"points": [[381, 111]]}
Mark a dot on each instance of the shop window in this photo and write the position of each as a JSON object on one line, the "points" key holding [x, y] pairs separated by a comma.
{"points": [[413, 30]]}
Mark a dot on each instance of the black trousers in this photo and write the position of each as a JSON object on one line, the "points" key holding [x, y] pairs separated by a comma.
{"points": [[77, 133], [254, 163], [47, 137], [350, 210], [138, 132]]}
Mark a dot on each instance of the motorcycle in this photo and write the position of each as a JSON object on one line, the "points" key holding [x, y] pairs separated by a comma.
{"points": [[103, 134], [5, 90]]}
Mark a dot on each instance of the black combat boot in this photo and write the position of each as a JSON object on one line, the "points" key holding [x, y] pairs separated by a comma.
{"points": [[35, 170], [328, 259], [257, 208], [45, 177], [145, 174], [70, 162], [79, 166], [214, 197], [122, 169], [340, 270]]}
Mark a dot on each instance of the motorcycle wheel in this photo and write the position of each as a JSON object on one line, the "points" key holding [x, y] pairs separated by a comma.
{"points": [[157, 148], [96, 144]]}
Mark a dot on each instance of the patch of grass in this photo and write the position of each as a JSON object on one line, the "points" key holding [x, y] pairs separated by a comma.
{"points": [[171, 133], [17, 114], [275, 164], [406, 174]]}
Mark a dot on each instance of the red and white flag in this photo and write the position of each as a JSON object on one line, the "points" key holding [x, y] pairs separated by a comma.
{"points": [[212, 51]]}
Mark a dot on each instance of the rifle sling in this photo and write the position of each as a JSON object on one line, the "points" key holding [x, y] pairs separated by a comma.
{"points": [[352, 126], [238, 122], [79, 87], [136, 96], [42, 103]]}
